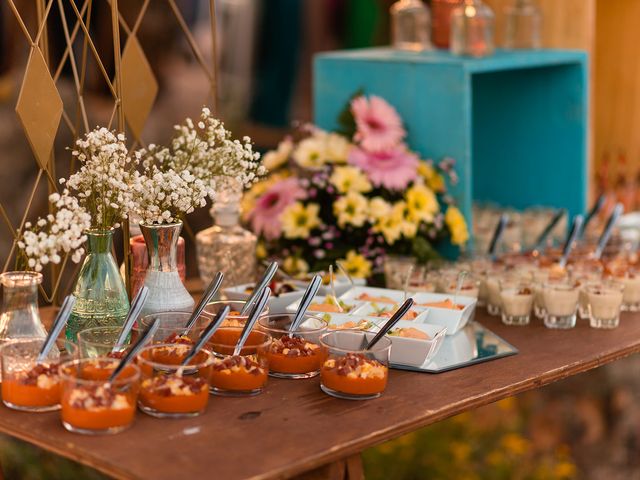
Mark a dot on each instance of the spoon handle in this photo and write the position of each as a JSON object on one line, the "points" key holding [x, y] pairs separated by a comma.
{"points": [[395, 318], [56, 328], [305, 301], [576, 227], [344, 272], [608, 230], [211, 290], [253, 318], [497, 234], [132, 316], [135, 349], [593, 212], [542, 239], [266, 279], [207, 333]]}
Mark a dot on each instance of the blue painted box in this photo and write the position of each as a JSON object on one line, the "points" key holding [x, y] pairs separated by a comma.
{"points": [[516, 122]]}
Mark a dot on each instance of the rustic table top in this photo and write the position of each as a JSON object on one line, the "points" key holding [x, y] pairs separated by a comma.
{"points": [[293, 427]]}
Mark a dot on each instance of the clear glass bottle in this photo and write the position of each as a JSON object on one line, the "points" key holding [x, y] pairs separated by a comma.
{"points": [[101, 296], [472, 29], [226, 246], [20, 315], [523, 25], [410, 25]]}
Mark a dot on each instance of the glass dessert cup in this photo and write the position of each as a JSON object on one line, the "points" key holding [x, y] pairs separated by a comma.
{"points": [[99, 342], [516, 299], [171, 329], [234, 319], [30, 386], [239, 375], [470, 285], [631, 295], [169, 390], [296, 355], [91, 404], [604, 301], [585, 274], [560, 301], [348, 371]]}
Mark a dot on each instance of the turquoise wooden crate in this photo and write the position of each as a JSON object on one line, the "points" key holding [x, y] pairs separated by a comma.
{"points": [[516, 122]]}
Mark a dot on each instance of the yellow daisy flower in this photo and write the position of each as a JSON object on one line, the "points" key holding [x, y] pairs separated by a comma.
{"points": [[295, 266], [435, 181], [261, 251], [351, 209], [350, 179], [276, 158], [422, 204], [311, 153], [337, 148], [457, 225], [298, 220], [378, 209], [357, 265], [391, 225]]}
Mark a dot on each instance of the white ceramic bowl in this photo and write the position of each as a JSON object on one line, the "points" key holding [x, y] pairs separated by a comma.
{"points": [[276, 304], [413, 351]]}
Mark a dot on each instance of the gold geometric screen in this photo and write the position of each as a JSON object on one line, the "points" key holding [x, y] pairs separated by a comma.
{"points": [[132, 86]]}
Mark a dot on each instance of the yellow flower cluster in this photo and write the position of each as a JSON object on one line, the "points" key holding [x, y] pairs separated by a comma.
{"points": [[295, 266], [351, 209], [350, 179], [356, 265], [298, 220], [320, 149], [434, 180], [457, 225]]}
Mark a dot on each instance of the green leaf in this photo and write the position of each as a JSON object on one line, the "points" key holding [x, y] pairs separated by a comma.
{"points": [[346, 122]]}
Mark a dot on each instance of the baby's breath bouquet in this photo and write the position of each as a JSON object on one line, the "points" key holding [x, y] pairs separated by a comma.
{"points": [[178, 179], [353, 196]]}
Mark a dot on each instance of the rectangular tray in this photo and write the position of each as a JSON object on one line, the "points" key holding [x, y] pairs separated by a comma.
{"points": [[471, 345]]}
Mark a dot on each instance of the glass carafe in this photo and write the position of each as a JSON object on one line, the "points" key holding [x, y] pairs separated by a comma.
{"points": [[101, 296], [20, 315], [226, 246], [410, 25], [472, 29], [523, 25]]}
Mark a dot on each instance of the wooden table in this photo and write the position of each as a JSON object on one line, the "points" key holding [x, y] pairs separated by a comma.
{"points": [[293, 427]]}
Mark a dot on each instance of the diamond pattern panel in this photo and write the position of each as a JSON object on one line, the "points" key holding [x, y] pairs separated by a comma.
{"points": [[139, 86], [39, 107]]}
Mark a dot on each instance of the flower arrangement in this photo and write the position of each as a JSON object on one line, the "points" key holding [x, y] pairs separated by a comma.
{"points": [[178, 179], [353, 196]]}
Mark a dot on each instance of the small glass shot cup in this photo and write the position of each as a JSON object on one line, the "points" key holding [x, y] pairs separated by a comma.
{"points": [[560, 301], [516, 298], [630, 278], [92, 405], [297, 355], [470, 286], [170, 390], [233, 319], [99, 342], [239, 375], [28, 385], [348, 371], [605, 302], [171, 329]]}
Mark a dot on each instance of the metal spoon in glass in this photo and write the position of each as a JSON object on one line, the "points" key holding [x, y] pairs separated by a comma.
{"points": [[593, 213], [608, 230], [135, 349], [206, 335], [211, 290], [305, 301], [345, 272], [263, 283], [576, 227], [541, 242], [497, 234], [388, 325], [58, 324], [132, 316], [258, 308]]}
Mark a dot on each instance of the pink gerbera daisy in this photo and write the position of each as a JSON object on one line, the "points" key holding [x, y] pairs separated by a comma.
{"points": [[265, 215], [379, 126], [392, 169]]}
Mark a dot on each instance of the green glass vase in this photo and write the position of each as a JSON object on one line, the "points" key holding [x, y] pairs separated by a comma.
{"points": [[100, 291]]}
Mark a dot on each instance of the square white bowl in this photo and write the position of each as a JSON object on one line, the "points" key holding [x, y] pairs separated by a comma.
{"points": [[339, 319], [355, 294], [373, 309], [340, 282], [413, 351], [320, 299], [276, 304], [453, 320]]}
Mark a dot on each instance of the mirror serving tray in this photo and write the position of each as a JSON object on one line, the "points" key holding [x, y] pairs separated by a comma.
{"points": [[471, 345]]}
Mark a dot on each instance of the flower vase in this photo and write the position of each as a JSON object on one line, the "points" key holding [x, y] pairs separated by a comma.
{"points": [[20, 315], [101, 296], [167, 293]]}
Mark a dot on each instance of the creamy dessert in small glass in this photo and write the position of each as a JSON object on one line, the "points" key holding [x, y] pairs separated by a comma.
{"points": [[560, 301], [631, 296], [585, 273], [605, 301], [516, 301], [468, 288]]}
